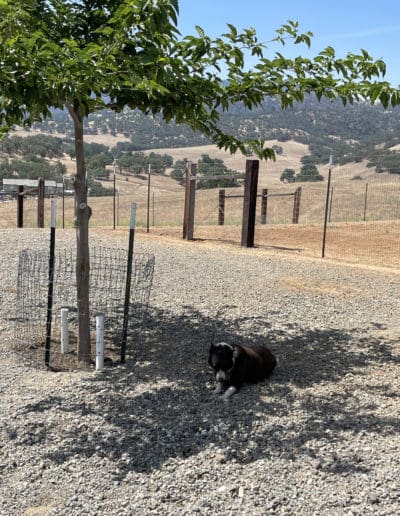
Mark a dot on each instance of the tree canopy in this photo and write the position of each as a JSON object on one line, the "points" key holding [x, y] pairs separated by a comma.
{"points": [[89, 54]]}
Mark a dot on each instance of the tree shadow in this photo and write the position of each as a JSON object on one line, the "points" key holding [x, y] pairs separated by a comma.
{"points": [[160, 406]]}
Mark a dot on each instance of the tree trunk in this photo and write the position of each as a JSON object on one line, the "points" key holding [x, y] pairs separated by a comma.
{"points": [[82, 214]]}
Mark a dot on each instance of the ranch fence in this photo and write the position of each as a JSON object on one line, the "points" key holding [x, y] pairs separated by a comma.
{"points": [[363, 218]]}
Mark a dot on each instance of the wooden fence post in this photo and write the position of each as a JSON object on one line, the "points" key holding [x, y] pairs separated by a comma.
{"points": [[296, 205], [20, 207], [40, 206], [190, 198], [221, 207], [264, 205], [249, 202]]}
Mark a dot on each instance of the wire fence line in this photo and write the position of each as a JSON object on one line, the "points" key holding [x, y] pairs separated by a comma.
{"points": [[363, 216]]}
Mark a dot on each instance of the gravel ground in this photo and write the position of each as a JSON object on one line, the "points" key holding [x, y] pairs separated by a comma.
{"points": [[321, 436]]}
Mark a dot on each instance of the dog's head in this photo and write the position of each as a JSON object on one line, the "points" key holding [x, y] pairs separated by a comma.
{"points": [[222, 358]]}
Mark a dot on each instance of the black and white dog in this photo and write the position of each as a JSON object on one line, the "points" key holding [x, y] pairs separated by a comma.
{"points": [[235, 365]]}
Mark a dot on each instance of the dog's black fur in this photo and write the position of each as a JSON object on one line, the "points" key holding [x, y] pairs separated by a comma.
{"points": [[235, 365]]}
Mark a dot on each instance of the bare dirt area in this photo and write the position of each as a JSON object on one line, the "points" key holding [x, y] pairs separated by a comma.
{"points": [[370, 244]]}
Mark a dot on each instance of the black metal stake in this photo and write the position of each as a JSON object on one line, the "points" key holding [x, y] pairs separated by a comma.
{"points": [[128, 282], [328, 188], [51, 283]]}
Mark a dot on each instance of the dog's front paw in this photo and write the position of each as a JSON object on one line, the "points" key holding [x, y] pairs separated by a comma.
{"points": [[229, 392], [218, 388]]}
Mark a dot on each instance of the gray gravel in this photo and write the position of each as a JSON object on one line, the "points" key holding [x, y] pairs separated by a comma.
{"points": [[321, 436]]}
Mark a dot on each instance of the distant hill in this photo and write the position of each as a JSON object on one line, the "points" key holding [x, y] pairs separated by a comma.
{"points": [[352, 133]]}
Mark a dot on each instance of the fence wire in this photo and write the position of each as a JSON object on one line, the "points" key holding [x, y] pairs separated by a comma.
{"points": [[108, 268], [363, 215]]}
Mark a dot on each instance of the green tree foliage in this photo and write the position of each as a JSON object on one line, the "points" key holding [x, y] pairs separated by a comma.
{"points": [[207, 166], [33, 169], [96, 165], [96, 189], [308, 171], [288, 175], [179, 170], [85, 56], [38, 145], [138, 163], [388, 162]]}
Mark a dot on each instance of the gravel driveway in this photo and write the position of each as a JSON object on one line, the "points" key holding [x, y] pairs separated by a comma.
{"points": [[321, 436]]}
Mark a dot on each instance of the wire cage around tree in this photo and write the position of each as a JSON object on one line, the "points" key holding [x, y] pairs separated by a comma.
{"points": [[108, 273]]}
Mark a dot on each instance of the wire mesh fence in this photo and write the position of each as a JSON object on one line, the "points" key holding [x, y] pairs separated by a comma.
{"points": [[108, 272], [363, 215]]}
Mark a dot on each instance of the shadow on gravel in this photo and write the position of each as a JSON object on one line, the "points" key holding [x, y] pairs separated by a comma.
{"points": [[161, 407]]}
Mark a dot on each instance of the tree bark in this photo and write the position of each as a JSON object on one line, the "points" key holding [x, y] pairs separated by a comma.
{"points": [[82, 214]]}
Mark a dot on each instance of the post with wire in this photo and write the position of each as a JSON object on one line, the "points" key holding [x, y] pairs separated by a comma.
{"points": [[128, 282], [50, 283], [328, 190]]}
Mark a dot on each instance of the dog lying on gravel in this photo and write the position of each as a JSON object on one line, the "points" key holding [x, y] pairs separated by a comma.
{"points": [[235, 365]]}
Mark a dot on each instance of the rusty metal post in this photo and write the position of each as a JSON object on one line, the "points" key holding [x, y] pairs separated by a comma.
{"points": [[20, 207], [264, 205], [249, 202], [190, 198], [221, 207], [296, 205], [40, 207]]}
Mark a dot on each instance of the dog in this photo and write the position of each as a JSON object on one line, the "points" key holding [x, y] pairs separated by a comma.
{"points": [[235, 365]]}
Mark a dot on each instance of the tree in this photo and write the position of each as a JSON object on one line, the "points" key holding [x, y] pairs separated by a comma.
{"points": [[179, 169], [308, 171], [214, 167], [287, 175], [87, 55]]}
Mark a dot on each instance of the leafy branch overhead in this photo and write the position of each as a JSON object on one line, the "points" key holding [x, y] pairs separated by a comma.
{"points": [[129, 53]]}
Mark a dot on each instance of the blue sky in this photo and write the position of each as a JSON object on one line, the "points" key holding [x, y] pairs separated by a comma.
{"points": [[348, 25]]}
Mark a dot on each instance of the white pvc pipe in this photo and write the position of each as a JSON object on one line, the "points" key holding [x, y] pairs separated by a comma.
{"points": [[64, 331], [99, 342]]}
